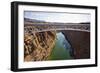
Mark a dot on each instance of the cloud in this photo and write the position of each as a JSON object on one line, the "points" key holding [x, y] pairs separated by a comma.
{"points": [[58, 17]]}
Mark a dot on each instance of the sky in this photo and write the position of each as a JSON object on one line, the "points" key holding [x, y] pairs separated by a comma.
{"points": [[58, 16]]}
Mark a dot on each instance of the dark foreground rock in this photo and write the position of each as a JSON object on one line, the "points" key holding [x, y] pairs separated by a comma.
{"points": [[80, 42]]}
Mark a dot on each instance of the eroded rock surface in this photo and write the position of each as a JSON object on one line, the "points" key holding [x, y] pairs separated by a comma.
{"points": [[38, 45]]}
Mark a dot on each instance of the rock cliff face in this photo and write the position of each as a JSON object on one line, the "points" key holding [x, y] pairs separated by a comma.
{"points": [[80, 42], [38, 45]]}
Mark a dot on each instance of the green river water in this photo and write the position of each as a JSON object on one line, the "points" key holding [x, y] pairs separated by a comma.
{"points": [[61, 50]]}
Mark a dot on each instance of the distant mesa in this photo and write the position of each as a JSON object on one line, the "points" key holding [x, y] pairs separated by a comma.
{"points": [[42, 21], [33, 20], [84, 23]]}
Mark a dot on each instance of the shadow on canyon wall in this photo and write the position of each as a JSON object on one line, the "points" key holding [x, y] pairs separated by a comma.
{"points": [[80, 42]]}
